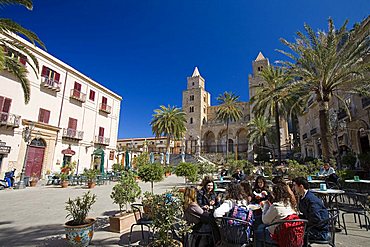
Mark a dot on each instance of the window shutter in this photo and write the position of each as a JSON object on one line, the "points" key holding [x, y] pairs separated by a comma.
{"points": [[77, 86], [44, 71], [46, 116], [104, 100], [1, 103], [56, 77], [41, 115], [6, 105], [101, 131], [92, 95]]}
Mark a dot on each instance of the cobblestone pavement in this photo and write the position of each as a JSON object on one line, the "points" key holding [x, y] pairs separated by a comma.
{"points": [[35, 216]]}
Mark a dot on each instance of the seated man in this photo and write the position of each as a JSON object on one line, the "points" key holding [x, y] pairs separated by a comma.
{"points": [[326, 170], [239, 175], [312, 209]]}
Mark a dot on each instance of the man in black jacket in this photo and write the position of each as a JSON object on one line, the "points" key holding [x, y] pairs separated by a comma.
{"points": [[312, 209]]}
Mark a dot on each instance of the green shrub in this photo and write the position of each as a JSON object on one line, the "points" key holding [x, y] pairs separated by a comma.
{"points": [[141, 160], [117, 168], [233, 165], [187, 170], [206, 168], [151, 173], [79, 208], [297, 170], [126, 191]]}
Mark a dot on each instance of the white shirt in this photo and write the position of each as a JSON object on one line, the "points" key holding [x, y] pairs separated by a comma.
{"points": [[276, 212], [227, 206]]}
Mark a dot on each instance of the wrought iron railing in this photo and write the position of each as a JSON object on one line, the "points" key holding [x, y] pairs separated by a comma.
{"points": [[77, 95], [50, 83], [73, 134], [102, 140]]}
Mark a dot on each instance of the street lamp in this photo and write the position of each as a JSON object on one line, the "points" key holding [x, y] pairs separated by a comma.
{"points": [[26, 134]]}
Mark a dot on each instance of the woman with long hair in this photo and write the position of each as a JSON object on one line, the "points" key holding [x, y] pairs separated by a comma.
{"points": [[282, 205], [235, 196], [260, 190], [207, 198]]}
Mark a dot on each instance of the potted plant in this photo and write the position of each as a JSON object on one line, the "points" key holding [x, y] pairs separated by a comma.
{"points": [[63, 176], [80, 229], [34, 179], [151, 173], [187, 170], [167, 209], [91, 175], [147, 201], [126, 191]]}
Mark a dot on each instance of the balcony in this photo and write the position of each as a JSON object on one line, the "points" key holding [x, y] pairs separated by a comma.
{"points": [[102, 140], [9, 120], [72, 134], [105, 108], [50, 84], [77, 95], [365, 102]]}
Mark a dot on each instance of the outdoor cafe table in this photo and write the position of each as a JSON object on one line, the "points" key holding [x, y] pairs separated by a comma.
{"points": [[316, 182], [222, 181], [358, 184], [329, 196], [220, 190]]}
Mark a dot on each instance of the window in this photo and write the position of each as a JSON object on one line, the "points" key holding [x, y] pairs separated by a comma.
{"points": [[191, 109], [77, 86], [191, 97], [204, 98], [191, 120], [204, 110], [193, 83], [50, 74], [44, 116], [104, 100], [204, 121], [92, 95], [72, 123], [5, 104], [101, 131]]}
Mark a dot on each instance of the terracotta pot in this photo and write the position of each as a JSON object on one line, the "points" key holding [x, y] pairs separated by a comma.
{"points": [[182, 189], [80, 235], [122, 222], [91, 185], [33, 183], [64, 184], [168, 174]]}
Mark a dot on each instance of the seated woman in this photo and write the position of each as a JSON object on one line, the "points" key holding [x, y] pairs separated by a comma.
{"points": [[248, 190], [194, 214], [282, 205], [235, 196], [260, 190], [207, 198]]}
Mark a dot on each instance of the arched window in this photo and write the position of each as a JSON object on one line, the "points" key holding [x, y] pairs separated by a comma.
{"points": [[204, 120], [191, 120]]}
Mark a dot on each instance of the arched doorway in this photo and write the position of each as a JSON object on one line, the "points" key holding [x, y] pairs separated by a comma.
{"points": [[364, 140], [231, 146], [209, 144], [222, 141], [242, 140], [35, 157]]}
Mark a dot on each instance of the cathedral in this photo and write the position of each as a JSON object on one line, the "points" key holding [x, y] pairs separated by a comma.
{"points": [[205, 133]]}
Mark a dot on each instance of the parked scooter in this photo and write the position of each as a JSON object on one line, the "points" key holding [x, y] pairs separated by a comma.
{"points": [[8, 180]]}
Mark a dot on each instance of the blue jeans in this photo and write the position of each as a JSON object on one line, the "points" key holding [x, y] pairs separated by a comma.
{"points": [[260, 234]]}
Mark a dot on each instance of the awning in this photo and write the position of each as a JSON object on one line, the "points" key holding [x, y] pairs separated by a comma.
{"points": [[68, 152], [98, 151]]}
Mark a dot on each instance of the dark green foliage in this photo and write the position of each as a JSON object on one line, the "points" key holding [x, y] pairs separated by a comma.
{"points": [[79, 208], [349, 160], [297, 170], [91, 174], [126, 191], [206, 168], [151, 173], [117, 168], [187, 170]]}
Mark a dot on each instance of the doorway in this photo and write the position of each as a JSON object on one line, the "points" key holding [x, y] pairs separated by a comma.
{"points": [[35, 158]]}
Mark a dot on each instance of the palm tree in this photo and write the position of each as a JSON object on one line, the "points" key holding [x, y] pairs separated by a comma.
{"points": [[228, 110], [328, 64], [170, 122], [274, 99], [11, 50]]}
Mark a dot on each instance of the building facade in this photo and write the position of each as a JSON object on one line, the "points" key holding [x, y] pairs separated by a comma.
{"points": [[208, 134], [71, 119]]}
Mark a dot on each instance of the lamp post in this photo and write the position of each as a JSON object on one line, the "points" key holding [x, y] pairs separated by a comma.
{"points": [[26, 134]]}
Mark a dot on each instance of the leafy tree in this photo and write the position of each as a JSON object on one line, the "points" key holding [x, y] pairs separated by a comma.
{"points": [[170, 122], [260, 129], [206, 168], [187, 170], [328, 64], [11, 50], [151, 173], [274, 99], [229, 110], [126, 191], [141, 159]]}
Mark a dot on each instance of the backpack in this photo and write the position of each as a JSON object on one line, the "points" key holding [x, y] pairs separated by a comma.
{"points": [[236, 227], [290, 234]]}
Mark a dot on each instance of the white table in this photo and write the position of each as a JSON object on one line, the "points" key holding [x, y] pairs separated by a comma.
{"points": [[330, 193], [359, 181], [222, 181], [315, 181], [222, 190]]}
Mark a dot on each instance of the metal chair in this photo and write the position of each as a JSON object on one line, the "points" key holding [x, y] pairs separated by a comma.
{"points": [[290, 235], [331, 221], [235, 234], [140, 221], [356, 204], [200, 231]]}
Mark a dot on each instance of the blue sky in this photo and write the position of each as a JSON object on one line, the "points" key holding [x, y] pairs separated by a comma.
{"points": [[144, 49]]}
